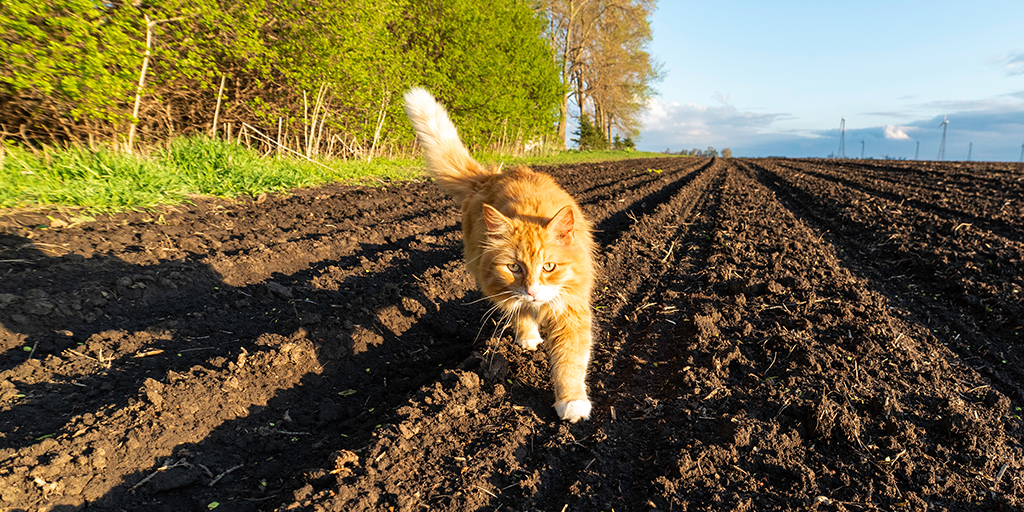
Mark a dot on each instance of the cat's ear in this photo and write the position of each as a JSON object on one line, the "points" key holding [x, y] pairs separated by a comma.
{"points": [[562, 224], [496, 222]]}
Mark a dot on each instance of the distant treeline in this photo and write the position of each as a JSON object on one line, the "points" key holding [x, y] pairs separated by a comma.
{"points": [[706, 153], [317, 77]]}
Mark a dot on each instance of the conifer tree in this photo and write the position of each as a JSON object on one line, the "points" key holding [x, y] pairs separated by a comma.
{"points": [[589, 137]]}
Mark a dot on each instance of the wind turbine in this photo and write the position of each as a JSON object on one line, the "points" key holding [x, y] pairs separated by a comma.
{"points": [[842, 138], [942, 145]]}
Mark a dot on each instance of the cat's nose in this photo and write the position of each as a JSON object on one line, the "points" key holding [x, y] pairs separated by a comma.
{"points": [[532, 291]]}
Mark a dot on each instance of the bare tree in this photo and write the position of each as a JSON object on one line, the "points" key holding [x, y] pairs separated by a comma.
{"points": [[600, 46]]}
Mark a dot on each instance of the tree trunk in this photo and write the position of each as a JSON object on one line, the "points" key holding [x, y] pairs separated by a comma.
{"points": [[563, 114]]}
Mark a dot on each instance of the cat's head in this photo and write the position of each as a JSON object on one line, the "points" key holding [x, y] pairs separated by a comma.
{"points": [[534, 262]]}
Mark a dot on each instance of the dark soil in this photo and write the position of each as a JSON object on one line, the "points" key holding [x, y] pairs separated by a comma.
{"points": [[771, 335]]}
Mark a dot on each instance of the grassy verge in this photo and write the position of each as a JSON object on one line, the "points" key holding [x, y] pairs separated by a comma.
{"points": [[109, 181]]}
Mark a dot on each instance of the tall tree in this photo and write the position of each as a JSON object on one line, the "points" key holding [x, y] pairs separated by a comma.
{"points": [[606, 70], [619, 81], [565, 28]]}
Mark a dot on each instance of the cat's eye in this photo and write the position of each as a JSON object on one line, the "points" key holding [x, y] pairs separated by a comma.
{"points": [[514, 267], [548, 267]]}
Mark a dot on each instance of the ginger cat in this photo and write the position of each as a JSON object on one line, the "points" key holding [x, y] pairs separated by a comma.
{"points": [[527, 245]]}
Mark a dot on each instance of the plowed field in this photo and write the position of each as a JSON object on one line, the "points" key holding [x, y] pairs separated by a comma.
{"points": [[771, 335]]}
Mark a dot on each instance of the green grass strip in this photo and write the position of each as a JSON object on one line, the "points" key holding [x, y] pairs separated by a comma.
{"points": [[107, 181]]}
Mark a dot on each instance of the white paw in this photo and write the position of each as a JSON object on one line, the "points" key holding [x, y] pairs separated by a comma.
{"points": [[530, 344], [573, 410]]}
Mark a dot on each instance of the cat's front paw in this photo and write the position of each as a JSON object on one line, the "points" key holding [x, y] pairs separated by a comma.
{"points": [[573, 410], [530, 344]]}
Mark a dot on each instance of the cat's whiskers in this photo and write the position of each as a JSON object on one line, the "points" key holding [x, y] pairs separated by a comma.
{"points": [[506, 320], [496, 307], [487, 298], [470, 262], [490, 312], [564, 294], [558, 306]]}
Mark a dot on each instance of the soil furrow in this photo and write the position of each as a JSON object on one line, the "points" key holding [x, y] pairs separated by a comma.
{"points": [[615, 186], [772, 280], [977, 180], [983, 330], [915, 235], [1005, 226], [598, 468], [621, 215], [771, 335], [935, 186], [639, 340]]}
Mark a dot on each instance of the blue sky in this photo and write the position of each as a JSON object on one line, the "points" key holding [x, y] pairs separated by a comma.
{"points": [[775, 78]]}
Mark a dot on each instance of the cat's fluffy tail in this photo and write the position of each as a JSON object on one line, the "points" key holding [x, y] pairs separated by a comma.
{"points": [[447, 159]]}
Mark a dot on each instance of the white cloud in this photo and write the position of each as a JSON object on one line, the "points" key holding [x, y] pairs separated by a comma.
{"points": [[675, 125], [1013, 62], [992, 126], [895, 132]]}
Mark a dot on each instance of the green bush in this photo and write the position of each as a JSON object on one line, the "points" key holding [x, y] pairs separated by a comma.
{"points": [[71, 69]]}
